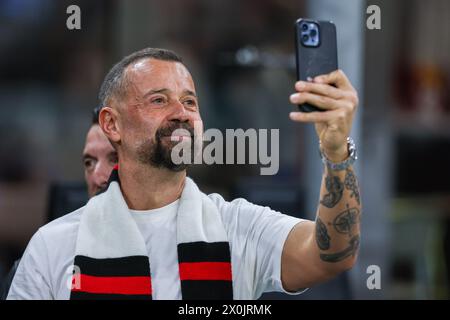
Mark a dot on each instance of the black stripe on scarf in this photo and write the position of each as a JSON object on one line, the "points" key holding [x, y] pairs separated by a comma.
{"points": [[203, 251], [136, 266], [96, 296]]}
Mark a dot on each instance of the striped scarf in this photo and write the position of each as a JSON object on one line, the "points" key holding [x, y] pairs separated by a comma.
{"points": [[111, 259]]}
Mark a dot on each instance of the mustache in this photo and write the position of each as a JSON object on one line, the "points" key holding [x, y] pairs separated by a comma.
{"points": [[169, 129]]}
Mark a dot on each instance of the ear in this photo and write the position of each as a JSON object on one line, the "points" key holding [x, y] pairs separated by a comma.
{"points": [[108, 121]]}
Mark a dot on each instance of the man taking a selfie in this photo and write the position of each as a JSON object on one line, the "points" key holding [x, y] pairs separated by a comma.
{"points": [[154, 235]]}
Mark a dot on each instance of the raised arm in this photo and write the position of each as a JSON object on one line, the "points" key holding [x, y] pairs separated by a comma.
{"points": [[317, 251]]}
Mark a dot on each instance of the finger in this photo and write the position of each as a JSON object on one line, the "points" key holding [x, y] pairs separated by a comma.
{"points": [[316, 116], [337, 78], [319, 88], [317, 100]]}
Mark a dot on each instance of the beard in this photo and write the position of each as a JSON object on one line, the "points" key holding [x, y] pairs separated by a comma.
{"points": [[158, 153]]}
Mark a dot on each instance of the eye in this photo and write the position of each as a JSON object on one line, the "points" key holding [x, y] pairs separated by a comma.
{"points": [[158, 100], [89, 164], [190, 102]]}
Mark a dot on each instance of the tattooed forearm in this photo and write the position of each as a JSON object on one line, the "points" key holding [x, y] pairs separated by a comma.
{"points": [[322, 237], [347, 252], [351, 184], [345, 220], [335, 189], [337, 224]]}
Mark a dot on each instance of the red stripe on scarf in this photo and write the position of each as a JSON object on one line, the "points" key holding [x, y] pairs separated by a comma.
{"points": [[114, 285], [205, 271]]}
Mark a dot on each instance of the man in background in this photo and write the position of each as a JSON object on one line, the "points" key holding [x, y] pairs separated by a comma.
{"points": [[99, 157]]}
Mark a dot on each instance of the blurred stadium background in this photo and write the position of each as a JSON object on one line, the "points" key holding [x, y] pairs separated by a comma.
{"points": [[241, 56]]}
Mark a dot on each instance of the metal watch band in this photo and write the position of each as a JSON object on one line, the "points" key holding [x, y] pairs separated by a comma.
{"points": [[344, 164]]}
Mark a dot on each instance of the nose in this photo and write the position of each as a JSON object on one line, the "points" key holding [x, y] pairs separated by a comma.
{"points": [[179, 112], [101, 173]]}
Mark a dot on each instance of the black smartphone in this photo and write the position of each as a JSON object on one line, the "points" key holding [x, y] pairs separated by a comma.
{"points": [[316, 51]]}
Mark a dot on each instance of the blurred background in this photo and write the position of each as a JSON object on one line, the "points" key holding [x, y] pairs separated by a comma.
{"points": [[241, 55]]}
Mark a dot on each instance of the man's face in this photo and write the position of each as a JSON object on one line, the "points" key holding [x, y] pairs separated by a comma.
{"points": [[99, 158], [161, 98]]}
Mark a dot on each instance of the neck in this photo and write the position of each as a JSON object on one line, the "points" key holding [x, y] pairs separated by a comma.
{"points": [[145, 188]]}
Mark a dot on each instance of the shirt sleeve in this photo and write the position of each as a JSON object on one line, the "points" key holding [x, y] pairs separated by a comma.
{"points": [[257, 235], [31, 281]]}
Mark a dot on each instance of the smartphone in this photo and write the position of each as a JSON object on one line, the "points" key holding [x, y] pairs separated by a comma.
{"points": [[316, 51]]}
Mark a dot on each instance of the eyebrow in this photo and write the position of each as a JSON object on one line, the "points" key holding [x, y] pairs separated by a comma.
{"points": [[166, 91], [87, 155], [189, 93]]}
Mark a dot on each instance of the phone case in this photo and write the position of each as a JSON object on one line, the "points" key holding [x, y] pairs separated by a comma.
{"points": [[314, 61]]}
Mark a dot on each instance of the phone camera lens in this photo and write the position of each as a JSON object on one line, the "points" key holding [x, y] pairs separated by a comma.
{"points": [[305, 38], [313, 33], [304, 27]]}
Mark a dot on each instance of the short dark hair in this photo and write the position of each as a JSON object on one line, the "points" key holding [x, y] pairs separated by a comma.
{"points": [[95, 114], [115, 82]]}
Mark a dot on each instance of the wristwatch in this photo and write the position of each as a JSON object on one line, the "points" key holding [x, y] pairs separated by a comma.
{"points": [[344, 164]]}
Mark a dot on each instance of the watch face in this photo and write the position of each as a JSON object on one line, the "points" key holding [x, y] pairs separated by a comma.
{"points": [[352, 148]]}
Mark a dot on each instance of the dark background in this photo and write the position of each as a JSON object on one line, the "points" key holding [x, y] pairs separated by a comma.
{"points": [[240, 54]]}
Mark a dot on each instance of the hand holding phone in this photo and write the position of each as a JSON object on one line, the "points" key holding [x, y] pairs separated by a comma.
{"points": [[330, 92], [316, 52]]}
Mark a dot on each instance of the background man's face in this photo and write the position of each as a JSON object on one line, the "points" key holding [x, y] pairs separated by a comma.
{"points": [[161, 98], [99, 158]]}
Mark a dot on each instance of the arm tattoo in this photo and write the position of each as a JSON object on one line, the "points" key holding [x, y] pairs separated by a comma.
{"points": [[345, 220], [335, 189], [322, 237], [347, 252], [352, 185]]}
